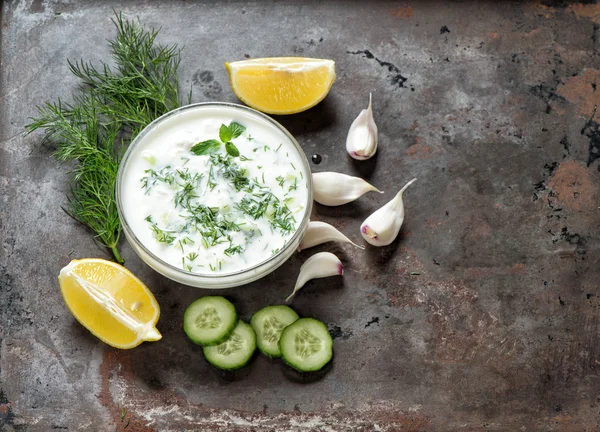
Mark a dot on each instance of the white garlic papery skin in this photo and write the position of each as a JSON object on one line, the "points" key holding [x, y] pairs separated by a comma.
{"points": [[361, 142], [321, 232], [382, 227], [323, 264], [334, 189]]}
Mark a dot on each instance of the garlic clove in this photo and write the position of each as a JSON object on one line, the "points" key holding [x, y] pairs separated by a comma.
{"points": [[323, 264], [334, 189], [321, 232], [382, 227], [361, 142]]}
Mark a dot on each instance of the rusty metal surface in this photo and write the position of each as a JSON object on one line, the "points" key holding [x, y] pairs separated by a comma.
{"points": [[492, 105]]}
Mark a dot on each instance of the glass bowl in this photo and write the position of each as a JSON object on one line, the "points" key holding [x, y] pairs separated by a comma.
{"points": [[207, 280]]}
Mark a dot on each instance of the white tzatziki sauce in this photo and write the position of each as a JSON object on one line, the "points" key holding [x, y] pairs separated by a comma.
{"points": [[198, 205]]}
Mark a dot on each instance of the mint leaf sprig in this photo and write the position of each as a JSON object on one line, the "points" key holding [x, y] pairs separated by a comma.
{"points": [[226, 134]]}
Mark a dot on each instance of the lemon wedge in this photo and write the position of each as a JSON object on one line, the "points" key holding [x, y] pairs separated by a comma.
{"points": [[281, 85], [110, 302]]}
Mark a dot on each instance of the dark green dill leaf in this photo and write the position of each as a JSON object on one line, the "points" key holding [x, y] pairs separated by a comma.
{"points": [[235, 129], [164, 175], [206, 147], [162, 236], [232, 250], [212, 183], [274, 251], [280, 180], [282, 217], [112, 107], [278, 147], [230, 171], [231, 149], [256, 205], [192, 256], [225, 134], [294, 186], [244, 159]]}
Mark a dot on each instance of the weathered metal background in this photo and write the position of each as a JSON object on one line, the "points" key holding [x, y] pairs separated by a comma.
{"points": [[492, 105]]}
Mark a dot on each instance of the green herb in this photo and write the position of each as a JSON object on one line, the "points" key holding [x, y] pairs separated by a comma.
{"points": [[114, 105], [211, 179], [236, 129], [244, 159], [294, 186], [230, 171], [192, 256], [281, 217], [255, 205], [164, 175], [292, 165], [161, 236], [206, 147], [231, 149], [232, 250], [280, 180], [274, 251], [278, 147]]}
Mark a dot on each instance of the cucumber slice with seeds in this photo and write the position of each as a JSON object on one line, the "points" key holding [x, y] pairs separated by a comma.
{"points": [[236, 351], [268, 323], [306, 345], [209, 320]]}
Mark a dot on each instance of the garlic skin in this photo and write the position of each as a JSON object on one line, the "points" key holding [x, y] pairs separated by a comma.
{"points": [[321, 232], [323, 264], [361, 142], [382, 227], [334, 189]]}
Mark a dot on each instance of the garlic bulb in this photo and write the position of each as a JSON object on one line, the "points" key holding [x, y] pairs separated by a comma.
{"points": [[323, 264], [321, 232], [334, 189], [382, 227], [361, 142]]}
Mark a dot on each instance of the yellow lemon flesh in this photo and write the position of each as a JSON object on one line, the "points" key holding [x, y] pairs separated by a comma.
{"points": [[281, 85], [110, 302]]}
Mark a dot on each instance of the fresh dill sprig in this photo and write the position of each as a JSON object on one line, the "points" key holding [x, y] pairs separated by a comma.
{"points": [[113, 105]]}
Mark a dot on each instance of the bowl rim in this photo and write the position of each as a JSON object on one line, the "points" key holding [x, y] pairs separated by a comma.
{"points": [[129, 234]]}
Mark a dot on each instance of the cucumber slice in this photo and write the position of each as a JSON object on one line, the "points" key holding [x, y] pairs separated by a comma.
{"points": [[209, 320], [268, 323], [236, 351], [306, 345]]}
